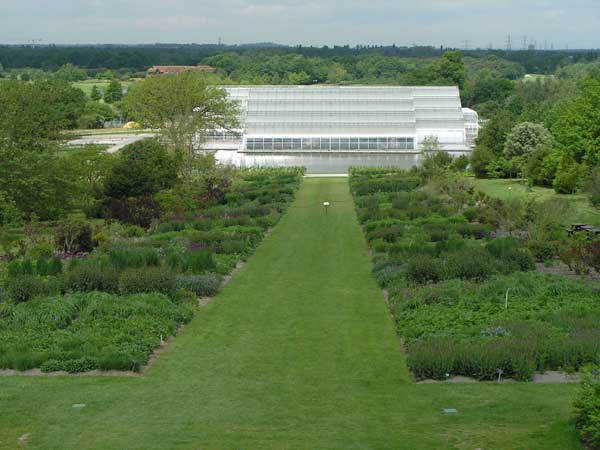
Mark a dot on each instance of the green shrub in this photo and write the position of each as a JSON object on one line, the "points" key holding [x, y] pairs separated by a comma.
{"points": [[470, 264], [587, 408], [197, 261], [542, 250], [202, 285], [88, 276], [388, 234], [55, 266], [41, 267], [84, 364], [450, 245], [470, 214], [123, 258], [438, 232], [41, 250], [503, 246], [423, 269], [474, 230], [147, 280], [25, 287]]}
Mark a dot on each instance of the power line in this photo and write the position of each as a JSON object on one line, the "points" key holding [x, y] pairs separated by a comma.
{"points": [[508, 43]]}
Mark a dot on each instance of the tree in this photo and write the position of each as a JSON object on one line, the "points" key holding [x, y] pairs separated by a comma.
{"points": [[525, 138], [31, 114], [69, 72], [481, 159], [184, 107], [493, 134], [299, 78], [142, 168], [114, 92], [540, 168], [96, 94], [38, 183], [568, 176], [592, 187], [449, 69], [577, 128], [95, 114]]}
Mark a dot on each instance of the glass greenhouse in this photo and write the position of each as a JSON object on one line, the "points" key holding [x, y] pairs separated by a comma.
{"points": [[346, 119]]}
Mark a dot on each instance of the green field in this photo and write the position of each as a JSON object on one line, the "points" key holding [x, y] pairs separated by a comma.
{"points": [[296, 352], [87, 85], [582, 210]]}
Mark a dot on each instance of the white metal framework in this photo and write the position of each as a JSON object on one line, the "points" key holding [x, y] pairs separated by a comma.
{"points": [[347, 118]]}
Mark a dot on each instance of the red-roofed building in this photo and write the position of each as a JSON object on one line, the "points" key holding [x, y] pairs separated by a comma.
{"points": [[159, 70]]}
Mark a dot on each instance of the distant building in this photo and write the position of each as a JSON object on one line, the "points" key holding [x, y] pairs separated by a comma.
{"points": [[159, 70], [347, 118]]}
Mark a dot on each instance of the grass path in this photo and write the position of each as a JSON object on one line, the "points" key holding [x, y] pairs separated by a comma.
{"points": [[296, 352]]}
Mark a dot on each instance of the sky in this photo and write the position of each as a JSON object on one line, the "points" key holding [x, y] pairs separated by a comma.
{"points": [[454, 23]]}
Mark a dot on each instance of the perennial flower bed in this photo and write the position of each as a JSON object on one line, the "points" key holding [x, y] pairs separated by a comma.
{"points": [[109, 307], [463, 292]]}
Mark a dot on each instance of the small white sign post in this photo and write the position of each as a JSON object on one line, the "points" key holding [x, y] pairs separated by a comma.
{"points": [[326, 205]]}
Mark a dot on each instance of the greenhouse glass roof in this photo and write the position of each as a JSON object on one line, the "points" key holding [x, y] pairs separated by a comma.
{"points": [[394, 113]]}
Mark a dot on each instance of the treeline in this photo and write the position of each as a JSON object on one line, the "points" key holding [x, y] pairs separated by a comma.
{"points": [[140, 57], [545, 131]]}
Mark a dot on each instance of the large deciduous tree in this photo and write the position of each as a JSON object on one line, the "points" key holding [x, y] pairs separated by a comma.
{"points": [[184, 108], [577, 128], [32, 114]]}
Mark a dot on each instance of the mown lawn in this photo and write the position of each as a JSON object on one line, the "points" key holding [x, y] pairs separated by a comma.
{"points": [[582, 210], [87, 85], [296, 352]]}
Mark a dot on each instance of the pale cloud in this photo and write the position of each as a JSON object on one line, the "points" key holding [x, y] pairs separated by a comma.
{"points": [[312, 22]]}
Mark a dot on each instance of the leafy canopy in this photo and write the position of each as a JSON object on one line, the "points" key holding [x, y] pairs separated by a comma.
{"points": [[180, 106]]}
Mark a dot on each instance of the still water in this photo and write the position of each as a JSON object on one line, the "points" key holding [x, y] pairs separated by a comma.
{"points": [[320, 162]]}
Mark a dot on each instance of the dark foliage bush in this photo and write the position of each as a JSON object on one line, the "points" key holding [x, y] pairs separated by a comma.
{"points": [[424, 269], [74, 237], [142, 169], [147, 280], [202, 285], [87, 276], [140, 211]]}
